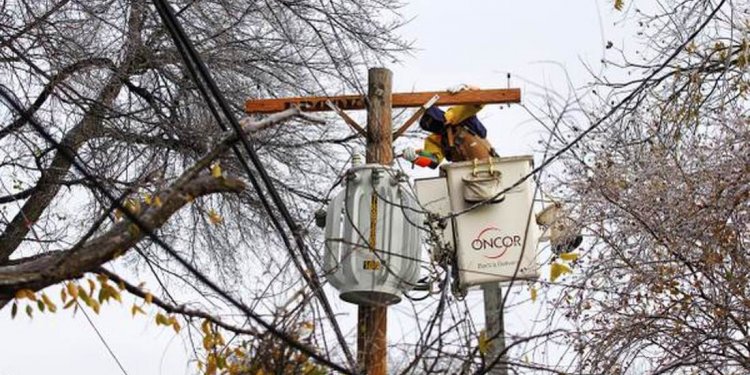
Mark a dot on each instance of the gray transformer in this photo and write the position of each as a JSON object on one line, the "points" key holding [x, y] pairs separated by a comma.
{"points": [[373, 263]]}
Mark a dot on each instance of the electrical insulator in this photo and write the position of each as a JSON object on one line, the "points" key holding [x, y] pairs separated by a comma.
{"points": [[372, 262]]}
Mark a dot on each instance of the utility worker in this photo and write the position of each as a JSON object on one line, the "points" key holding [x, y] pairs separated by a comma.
{"points": [[456, 135]]}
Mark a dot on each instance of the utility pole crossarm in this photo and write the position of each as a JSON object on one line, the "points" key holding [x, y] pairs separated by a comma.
{"points": [[399, 100]]}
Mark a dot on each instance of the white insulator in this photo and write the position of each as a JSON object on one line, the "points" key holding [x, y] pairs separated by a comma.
{"points": [[357, 160], [379, 274]]}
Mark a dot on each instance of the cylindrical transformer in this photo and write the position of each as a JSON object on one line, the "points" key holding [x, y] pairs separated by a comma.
{"points": [[373, 240]]}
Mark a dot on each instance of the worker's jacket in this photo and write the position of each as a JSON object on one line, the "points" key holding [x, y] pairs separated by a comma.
{"points": [[457, 135]]}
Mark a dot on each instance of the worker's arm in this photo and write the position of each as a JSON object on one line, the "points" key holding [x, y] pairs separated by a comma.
{"points": [[425, 159], [458, 113], [430, 156]]}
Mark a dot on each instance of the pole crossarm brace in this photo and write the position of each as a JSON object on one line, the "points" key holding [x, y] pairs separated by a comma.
{"points": [[415, 116], [399, 100], [348, 120]]}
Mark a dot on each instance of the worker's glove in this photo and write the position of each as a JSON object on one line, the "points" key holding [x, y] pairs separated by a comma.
{"points": [[461, 87], [410, 154]]}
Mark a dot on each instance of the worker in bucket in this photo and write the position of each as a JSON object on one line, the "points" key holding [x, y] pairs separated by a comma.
{"points": [[458, 135], [455, 135]]}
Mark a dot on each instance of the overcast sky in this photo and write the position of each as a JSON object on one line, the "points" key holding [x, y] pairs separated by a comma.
{"points": [[474, 42]]}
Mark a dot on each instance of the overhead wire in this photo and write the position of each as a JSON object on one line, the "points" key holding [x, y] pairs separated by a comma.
{"points": [[103, 340], [190, 57]]}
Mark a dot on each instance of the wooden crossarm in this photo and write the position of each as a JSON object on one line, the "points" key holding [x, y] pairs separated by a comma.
{"points": [[400, 100]]}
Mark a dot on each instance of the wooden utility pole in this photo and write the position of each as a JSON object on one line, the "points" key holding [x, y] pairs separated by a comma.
{"points": [[372, 321]]}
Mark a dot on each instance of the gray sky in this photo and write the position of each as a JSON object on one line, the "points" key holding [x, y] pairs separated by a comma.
{"points": [[473, 41]]}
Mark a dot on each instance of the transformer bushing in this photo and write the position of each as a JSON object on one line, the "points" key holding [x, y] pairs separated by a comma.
{"points": [[373, 262]]}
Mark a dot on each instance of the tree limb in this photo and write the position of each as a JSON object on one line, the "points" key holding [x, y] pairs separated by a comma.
{"points": [[50, 268]]}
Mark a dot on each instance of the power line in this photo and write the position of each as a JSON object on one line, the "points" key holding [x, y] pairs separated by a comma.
{"points": [[193, 62], [109, 349]]}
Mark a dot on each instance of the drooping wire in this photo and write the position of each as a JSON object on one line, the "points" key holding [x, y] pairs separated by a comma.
{"points": [[190, 57]]}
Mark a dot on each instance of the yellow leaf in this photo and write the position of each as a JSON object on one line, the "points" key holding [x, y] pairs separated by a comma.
{"points": [[557, 270], [147, 199], [133, 206], [95, 306], [157, 201], [92, 287], [619, 4], [206, 327], [533, 294], [26, 293], [208, 342], [211, 365], [72, 290], [136, 309], [84, 296], [569, 256], [219, 338], [118, 215], [115, 294], [221, 361], [214, 217], [48, 302], [484, 342], [176, 326], [216, 170], [149, 298], [103, 295], [121, 285], [161, 319], [69, 304], [63, 295]]}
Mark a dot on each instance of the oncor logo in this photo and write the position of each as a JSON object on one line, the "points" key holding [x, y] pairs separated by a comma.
{"points": [[491, 238]]}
